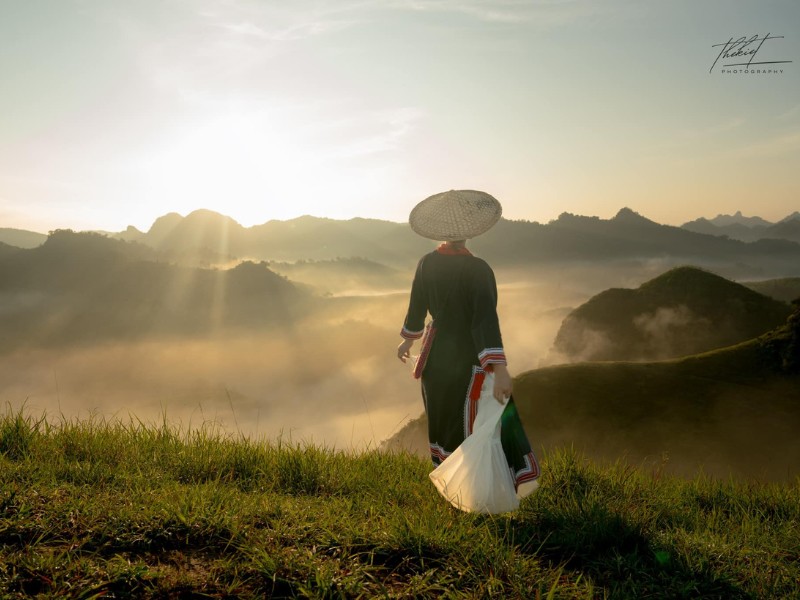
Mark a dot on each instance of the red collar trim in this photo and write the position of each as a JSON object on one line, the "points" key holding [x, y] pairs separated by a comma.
{"points": [[448, 250]]}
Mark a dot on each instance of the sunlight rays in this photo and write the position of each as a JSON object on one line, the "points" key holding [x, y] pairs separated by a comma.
{"points": [[219, 309]]}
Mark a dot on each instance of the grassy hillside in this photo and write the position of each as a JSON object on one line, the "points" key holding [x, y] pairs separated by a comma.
{"points": [[734, 411], [91, 509], [683, 311]]}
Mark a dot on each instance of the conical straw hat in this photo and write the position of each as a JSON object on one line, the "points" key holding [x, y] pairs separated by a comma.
{"points": [[455, 215]]}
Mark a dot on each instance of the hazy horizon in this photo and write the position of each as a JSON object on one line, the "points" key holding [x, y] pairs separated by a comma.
{"points": [[399, 222]]}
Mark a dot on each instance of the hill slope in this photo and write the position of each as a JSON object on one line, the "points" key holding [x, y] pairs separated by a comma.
{"points": [[735, 410], [683, 311]]}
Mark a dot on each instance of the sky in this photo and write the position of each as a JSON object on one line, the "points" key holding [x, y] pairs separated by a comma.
{"points": [[115, 113]]}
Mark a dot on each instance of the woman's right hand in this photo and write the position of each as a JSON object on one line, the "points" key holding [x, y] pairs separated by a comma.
{"points": [[404, 350], [502, 383]]}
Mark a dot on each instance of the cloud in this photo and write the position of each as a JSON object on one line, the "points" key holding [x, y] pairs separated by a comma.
{"points": [[511, 12], [713, 130], [790, 113], [777, 145], [374, 132], [292, 32], [245, 29]]}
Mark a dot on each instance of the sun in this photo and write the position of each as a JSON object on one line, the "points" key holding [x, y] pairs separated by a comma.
{"points": [[257, 166]]}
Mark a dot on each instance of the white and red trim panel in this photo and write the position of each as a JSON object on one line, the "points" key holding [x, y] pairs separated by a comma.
{"points": [[438, 454], [529, 472], [411, 335], [471, 401], [492, 356]]}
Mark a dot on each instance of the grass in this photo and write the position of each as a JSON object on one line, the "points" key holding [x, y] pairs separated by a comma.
{"points": [[106, 509]]}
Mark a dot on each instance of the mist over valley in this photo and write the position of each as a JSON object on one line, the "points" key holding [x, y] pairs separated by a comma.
{"points": [[289, 329]]}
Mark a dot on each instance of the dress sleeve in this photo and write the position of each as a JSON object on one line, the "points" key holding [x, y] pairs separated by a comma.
{"points": [[485, 324], [414, 325]]}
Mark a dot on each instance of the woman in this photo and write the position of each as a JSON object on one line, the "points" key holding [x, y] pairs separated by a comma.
{"points": [[460, 292]]}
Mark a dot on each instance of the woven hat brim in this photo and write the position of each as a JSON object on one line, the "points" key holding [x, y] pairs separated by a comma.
{"points": [[455, 215]]}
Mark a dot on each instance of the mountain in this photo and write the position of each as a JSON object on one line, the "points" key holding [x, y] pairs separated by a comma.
{"points": [[131, 234], [206, 237], [736, 231], [748, 229], [785, 290], [313, 238], [739, 219], [21, 238], [161, 229], [201, 229], [683, 311], [788, 229], [730, 411], [83, 286], [628, 237], [6, 249]]}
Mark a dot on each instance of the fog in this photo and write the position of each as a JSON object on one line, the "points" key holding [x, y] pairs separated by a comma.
{"points": [[667, 328], [331, 387], [331, 378]]}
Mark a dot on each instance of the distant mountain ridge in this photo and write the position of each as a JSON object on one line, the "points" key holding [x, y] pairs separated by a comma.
{"points": [[217, 238], [207, 238], [748, 229], [738, 218], [627, 236]]}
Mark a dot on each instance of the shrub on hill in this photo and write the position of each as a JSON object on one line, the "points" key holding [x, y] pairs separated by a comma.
{"points": [[782, 346]]}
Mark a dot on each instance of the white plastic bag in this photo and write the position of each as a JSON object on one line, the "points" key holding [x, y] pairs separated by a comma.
{"points": [[476, 476]]}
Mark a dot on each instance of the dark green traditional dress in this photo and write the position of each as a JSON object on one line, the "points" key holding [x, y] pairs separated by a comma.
{"points": [[460, 292]]}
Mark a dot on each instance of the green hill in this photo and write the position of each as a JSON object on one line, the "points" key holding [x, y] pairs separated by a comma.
{"points": [[683, 311], [730, 411]]}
